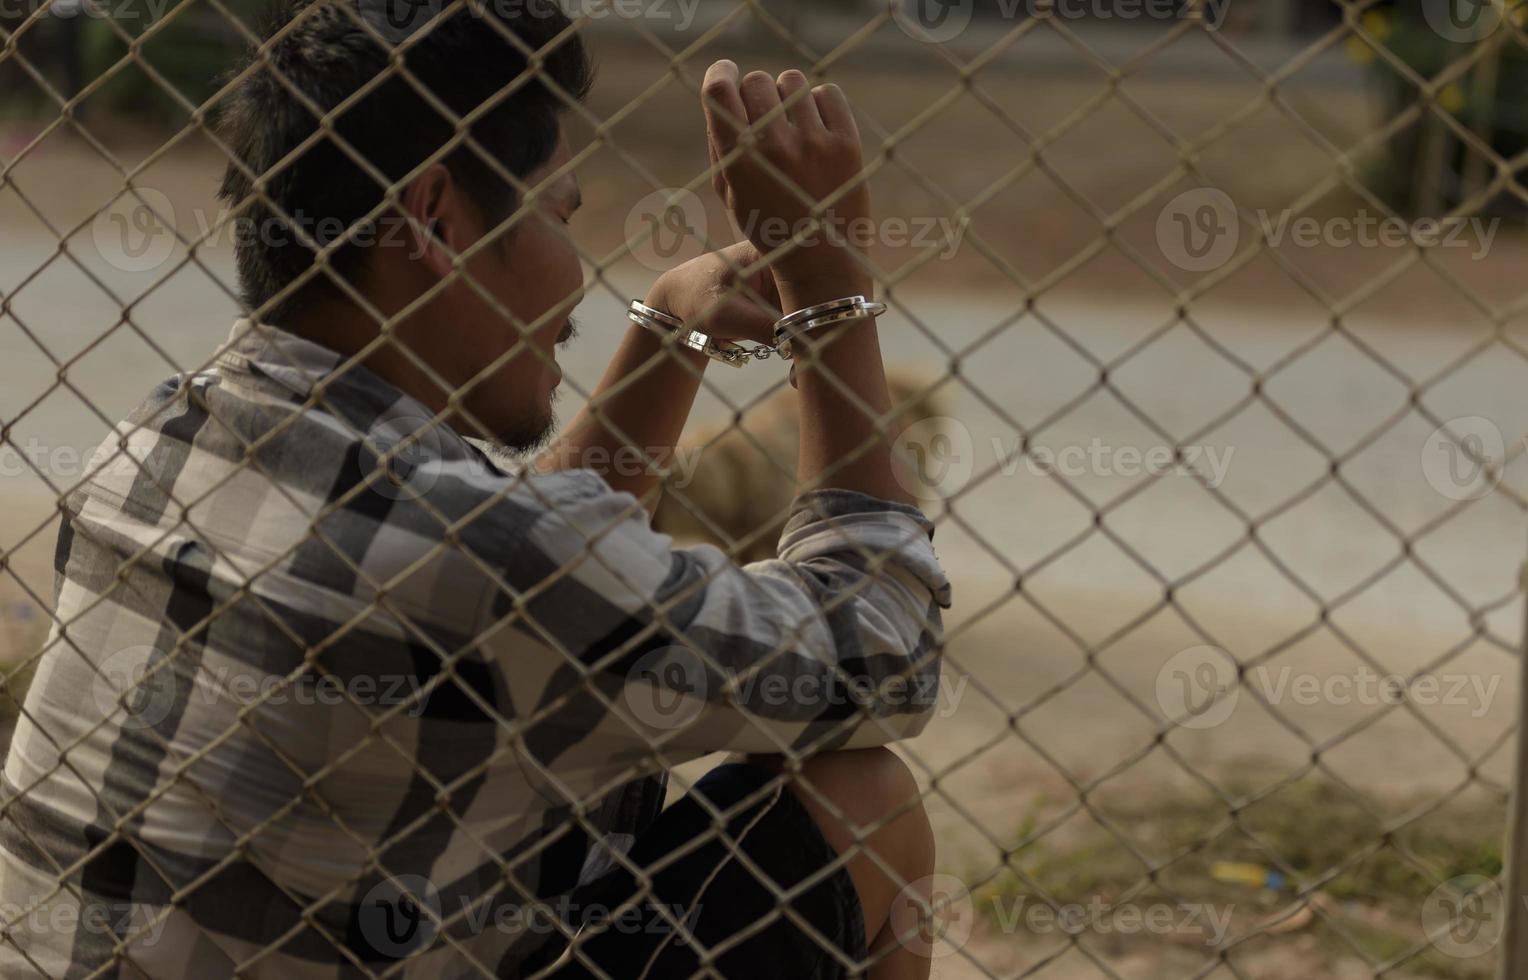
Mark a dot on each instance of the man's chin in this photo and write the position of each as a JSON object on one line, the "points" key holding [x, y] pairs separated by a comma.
{"points": [[527, 436]]}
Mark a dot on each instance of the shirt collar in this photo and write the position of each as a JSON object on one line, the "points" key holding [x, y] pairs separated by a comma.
{"points": [[312, 371], [364, 398], [284, 357]]}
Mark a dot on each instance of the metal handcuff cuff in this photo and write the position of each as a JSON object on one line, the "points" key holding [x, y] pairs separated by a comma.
{"points": [[787, 329]]}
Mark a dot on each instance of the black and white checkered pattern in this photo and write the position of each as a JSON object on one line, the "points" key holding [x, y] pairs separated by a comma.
{"points": [[330, 695]]}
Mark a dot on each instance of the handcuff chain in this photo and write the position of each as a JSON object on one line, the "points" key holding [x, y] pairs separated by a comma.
{"points": [[787, 328]]}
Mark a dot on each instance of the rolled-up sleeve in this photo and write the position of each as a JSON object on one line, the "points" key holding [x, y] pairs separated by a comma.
{"points": [[834, 644]]}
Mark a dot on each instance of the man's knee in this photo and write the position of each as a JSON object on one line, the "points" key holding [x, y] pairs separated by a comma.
{"points": [[867, 799]]}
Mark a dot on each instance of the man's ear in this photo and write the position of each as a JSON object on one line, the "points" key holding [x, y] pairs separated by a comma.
{"points": [[437, 218]]}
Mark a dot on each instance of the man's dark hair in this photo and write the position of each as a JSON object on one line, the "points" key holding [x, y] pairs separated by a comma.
{"points": [[463, 59]]}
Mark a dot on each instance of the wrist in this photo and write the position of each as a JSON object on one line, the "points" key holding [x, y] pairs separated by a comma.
{"points": [[798, 294], [661, 299]]}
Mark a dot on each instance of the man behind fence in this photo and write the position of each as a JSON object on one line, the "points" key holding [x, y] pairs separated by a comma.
{"points": [[330, 694]]}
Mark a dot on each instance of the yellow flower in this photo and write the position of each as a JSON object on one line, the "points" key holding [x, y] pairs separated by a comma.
{"points": [[1376, 24], [1358, 50]]}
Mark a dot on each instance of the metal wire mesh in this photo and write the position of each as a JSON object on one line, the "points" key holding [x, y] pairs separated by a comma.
{"points": [[1221, 856]]}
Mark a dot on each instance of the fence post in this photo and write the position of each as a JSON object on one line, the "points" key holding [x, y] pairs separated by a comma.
{"points": [[1514, 960]]}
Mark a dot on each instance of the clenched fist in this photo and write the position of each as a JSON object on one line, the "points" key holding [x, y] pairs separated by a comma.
{"points": [[789, 166]]}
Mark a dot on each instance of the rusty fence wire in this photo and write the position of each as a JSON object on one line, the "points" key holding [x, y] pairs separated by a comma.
{"points": [[1229, 684]]}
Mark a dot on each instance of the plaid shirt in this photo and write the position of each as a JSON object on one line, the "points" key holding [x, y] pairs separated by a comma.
{"points": [[328, 691]]}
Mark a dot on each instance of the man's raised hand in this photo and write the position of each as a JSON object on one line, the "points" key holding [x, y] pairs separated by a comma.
{"points": [[788, 153]]}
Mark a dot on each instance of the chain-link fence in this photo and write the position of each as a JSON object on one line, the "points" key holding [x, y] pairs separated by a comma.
{"points": [[1205, 352]]}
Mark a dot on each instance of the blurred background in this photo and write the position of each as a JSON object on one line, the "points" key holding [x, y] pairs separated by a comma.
{"points": [[1218, 313]]}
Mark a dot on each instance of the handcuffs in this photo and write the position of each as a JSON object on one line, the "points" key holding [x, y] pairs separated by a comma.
{"points": [[787, 330]]}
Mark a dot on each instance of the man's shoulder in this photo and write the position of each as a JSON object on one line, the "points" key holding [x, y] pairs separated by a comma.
{"points": [[306, 498]]}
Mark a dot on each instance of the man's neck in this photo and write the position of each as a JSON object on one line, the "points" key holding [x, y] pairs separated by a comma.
{"points": [[345, 328]]}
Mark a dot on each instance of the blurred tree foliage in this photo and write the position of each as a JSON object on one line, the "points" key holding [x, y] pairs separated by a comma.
{"points": [[159, 58], [1428, 168]]}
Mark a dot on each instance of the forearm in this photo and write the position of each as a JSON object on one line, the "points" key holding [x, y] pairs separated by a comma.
{"points": [[634, 418], [842, 386]]}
